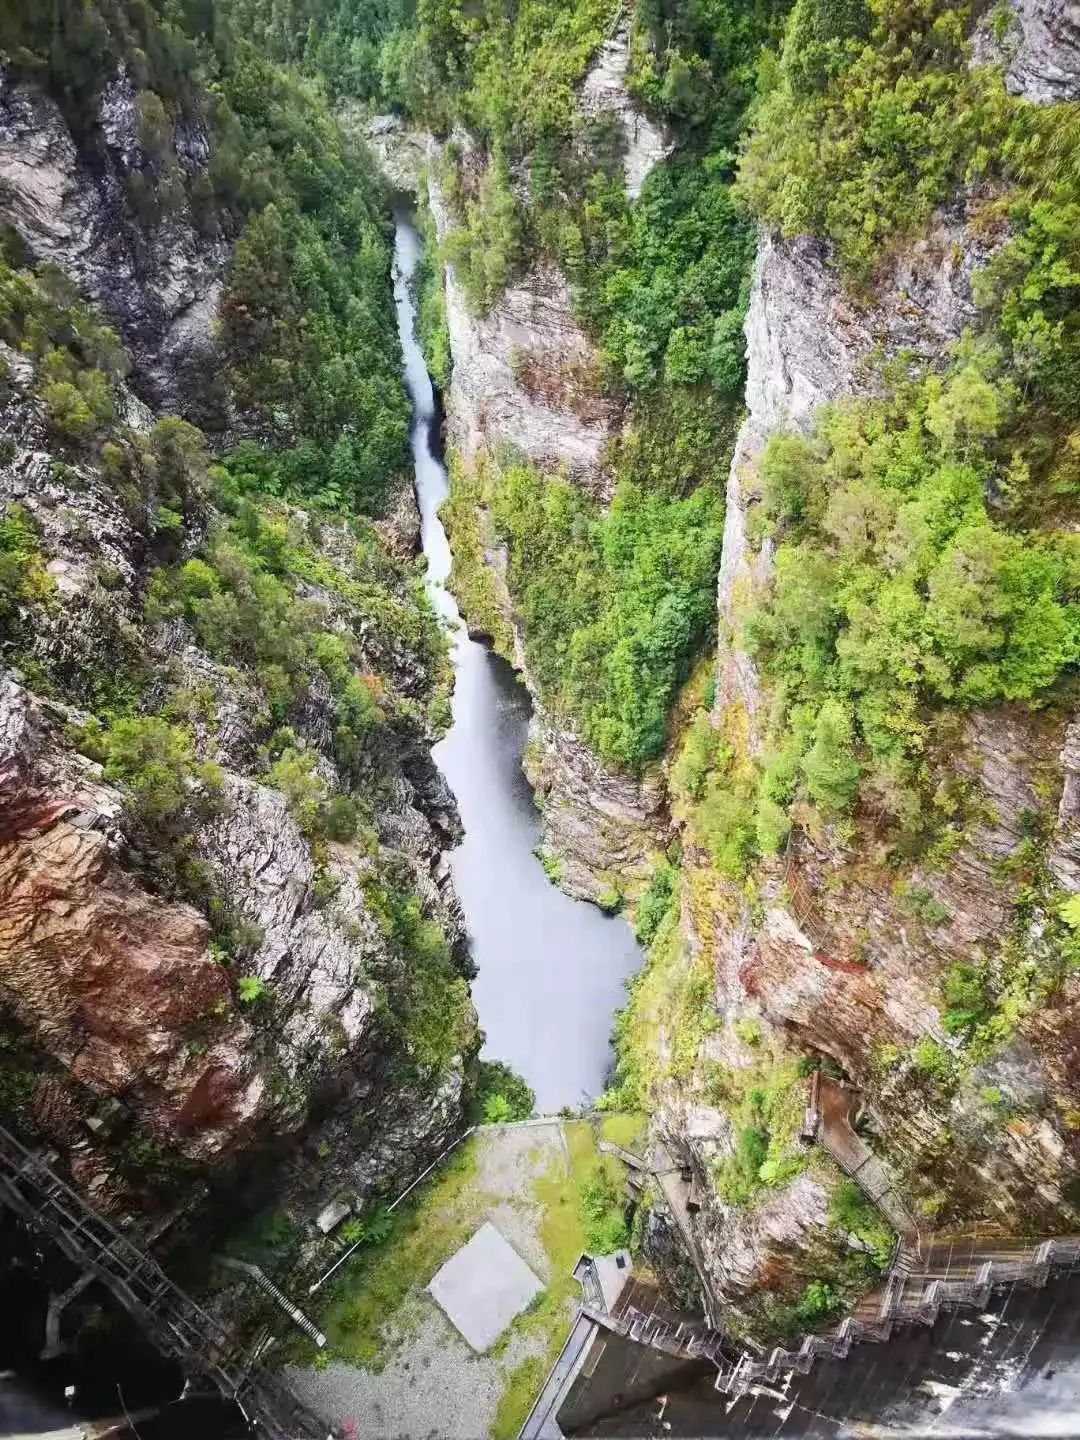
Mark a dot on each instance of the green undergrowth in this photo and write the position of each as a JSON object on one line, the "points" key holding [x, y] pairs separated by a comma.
{"points": [[668, 1015], [851, 1212], [374, 1285], [425, 1003], [499, 1095], [472, 578], [575, 1198], [25, 583], [873, 115], [900, 591], [764, 1102], [613, 604]]}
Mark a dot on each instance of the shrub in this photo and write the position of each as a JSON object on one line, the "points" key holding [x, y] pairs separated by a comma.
{"points": [[69, 413], [738, 1179], [294, 774], [603, 1211], [24, 580], [968, 998], [830, 769], [155, 760], [703, 750], [932, 1060], [340, 818], [251, 989], [850, 1211], [498, 1088], [724, 823], [817, 1303], [656, 902]]}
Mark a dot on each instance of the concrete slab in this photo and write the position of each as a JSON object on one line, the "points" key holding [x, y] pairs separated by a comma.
{"points": [[483, 1287], [613, 1271]]}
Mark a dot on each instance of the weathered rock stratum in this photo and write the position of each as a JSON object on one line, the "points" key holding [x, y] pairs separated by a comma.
{"points": [[149, 1054], [838, 961]]}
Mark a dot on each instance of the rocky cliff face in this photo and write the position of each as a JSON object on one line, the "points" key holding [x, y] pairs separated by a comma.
{"points": [[604, 93], [1043, 51], [834, 958], [525, 376], [527, 380], [159, 283], [809, 342], [133, 1053]]}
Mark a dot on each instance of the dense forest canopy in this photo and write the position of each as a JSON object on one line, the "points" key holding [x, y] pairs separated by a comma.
{"points": [[307, 316]]}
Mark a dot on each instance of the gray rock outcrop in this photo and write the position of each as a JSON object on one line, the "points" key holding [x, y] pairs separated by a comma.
{"points": [[525, 376], [1044, 61], [604, 92], [158, 282]]}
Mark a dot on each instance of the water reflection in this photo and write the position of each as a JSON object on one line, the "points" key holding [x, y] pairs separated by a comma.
{"points": [[550, 969]]}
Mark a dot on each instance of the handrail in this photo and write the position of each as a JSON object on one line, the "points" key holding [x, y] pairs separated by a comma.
{"points": [[924, 1309], [263, 1281], [180, 1327]]}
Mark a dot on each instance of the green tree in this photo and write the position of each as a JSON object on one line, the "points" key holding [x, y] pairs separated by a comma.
{"points": [[829, 766]]}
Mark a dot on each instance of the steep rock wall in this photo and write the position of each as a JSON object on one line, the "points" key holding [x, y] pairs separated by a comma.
{"points": [[141, 1069], [525, 375], [160, 283], [833, 960], [604, 93]]}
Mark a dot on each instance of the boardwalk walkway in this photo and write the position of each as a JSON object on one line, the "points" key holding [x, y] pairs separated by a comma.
{"points": [[836, 1135], [178, 1326]]}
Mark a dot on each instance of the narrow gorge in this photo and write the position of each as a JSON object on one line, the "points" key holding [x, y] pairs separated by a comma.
{"points": [[538, 610], [550, 970]]}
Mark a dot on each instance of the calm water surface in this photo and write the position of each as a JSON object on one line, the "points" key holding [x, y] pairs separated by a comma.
{"points": [[551, 970]]}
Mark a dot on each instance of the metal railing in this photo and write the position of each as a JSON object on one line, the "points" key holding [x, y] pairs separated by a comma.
{"points": [[898, 1306], [267, 1286], [684, 1339], [178, 1326]]}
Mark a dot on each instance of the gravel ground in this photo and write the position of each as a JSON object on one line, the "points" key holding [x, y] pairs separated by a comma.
{"points": [[434, 1387]]}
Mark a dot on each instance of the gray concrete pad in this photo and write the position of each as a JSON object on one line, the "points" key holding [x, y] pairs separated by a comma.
{"points": [[483, 1287]]}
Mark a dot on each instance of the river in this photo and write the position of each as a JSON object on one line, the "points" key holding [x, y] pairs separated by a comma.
{"points": [[551, 971]]}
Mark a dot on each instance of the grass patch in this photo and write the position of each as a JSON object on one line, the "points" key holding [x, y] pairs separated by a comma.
{"points": [[379, 1299], [561, 1196], [426, 1231], [519, 1396], [628, 1129]]}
